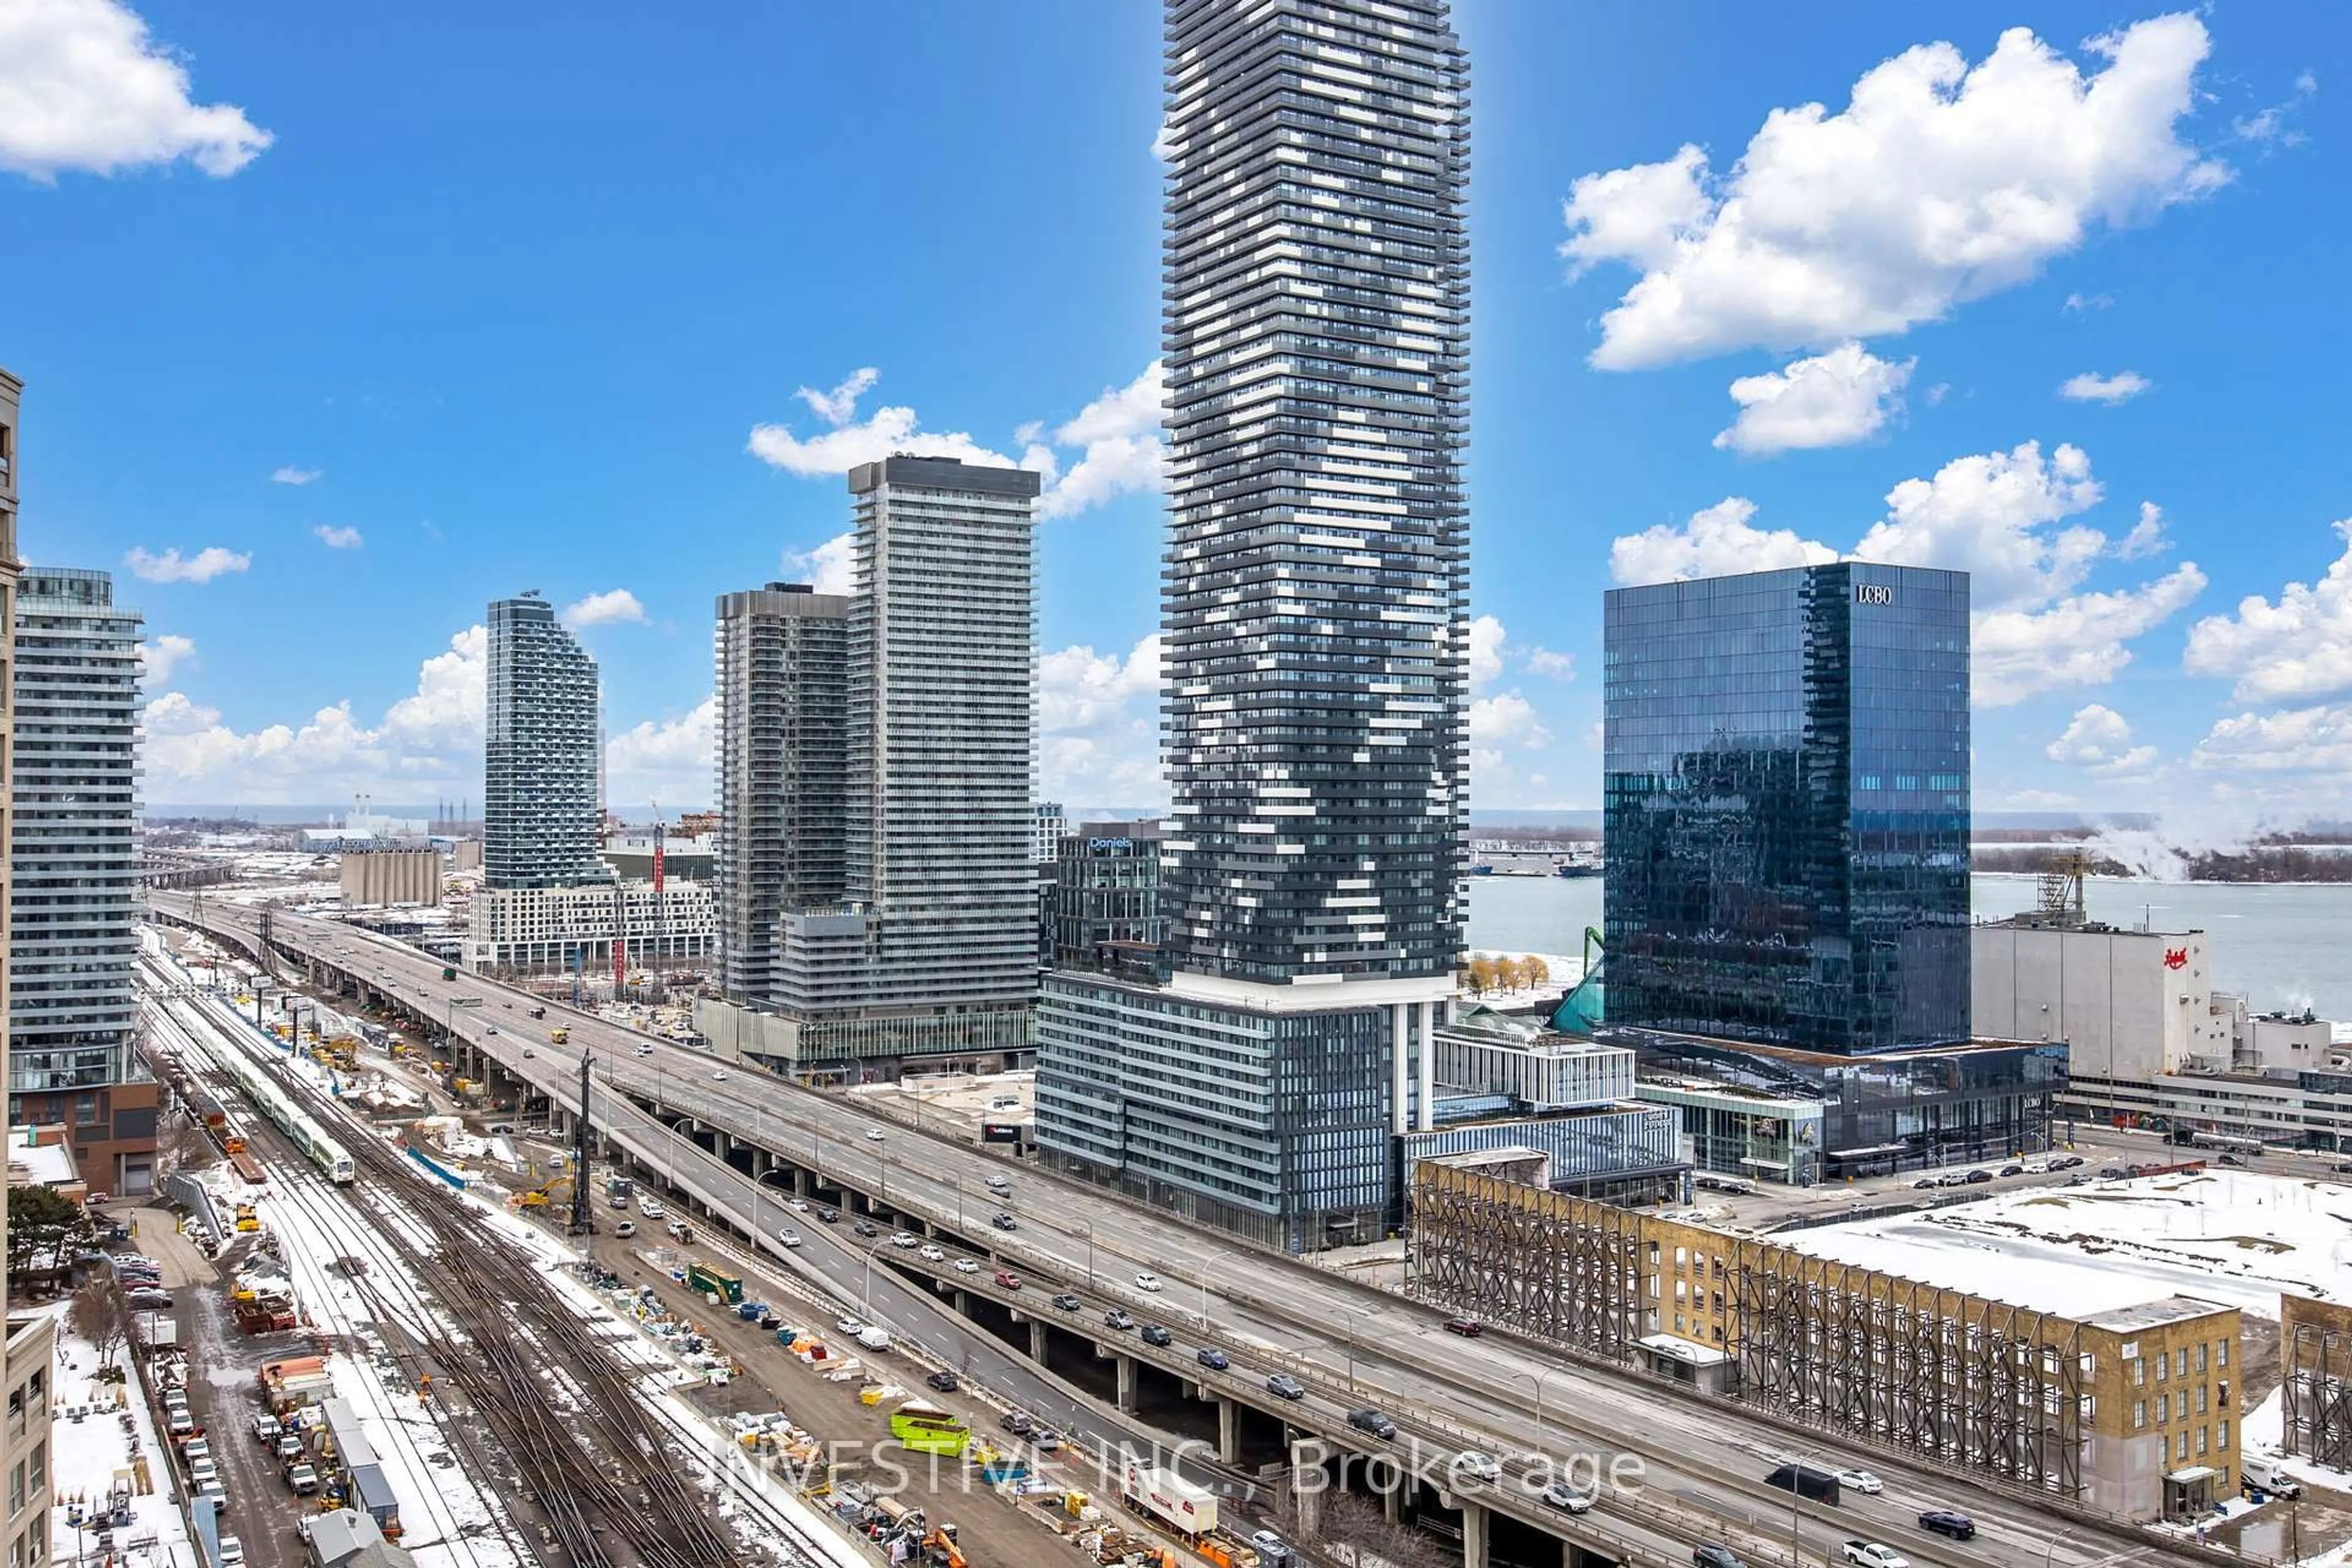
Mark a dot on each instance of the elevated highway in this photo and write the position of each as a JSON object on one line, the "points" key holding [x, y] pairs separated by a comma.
{"points": [[1700, 1461]]}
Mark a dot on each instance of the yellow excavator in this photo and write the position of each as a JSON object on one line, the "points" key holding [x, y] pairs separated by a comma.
{"points": [[539, 1197]]}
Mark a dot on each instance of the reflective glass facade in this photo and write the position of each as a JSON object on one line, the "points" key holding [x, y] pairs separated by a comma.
{"points": [[541, 825], [1786, 797]]}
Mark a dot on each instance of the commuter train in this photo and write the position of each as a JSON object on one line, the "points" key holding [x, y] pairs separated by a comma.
{"points": [[273, 1101]]}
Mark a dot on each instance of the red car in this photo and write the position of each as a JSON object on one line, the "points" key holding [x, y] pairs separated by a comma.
{"points": [[1468, 1327], [1008, 1279]]}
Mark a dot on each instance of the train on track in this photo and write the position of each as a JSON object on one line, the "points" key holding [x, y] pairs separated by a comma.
{"points": [[273, 1101]]}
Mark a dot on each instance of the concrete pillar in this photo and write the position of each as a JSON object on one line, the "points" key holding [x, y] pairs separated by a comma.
{"points": [[1229, 1432], [1474, 1536], [1307, 1461], [1427, 1111], [1037, 1341], [1127, 1397], [1399, 1046], [803, 1182], [962, 1304], [1392, 1484]]}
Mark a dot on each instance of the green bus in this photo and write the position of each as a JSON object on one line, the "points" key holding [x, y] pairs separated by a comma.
{"points": [[925, 1429], [710, 1281]]}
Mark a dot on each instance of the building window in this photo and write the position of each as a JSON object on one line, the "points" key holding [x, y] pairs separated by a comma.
{"points": [[2139, 1413], [2222, 1434], [2221, 1352], [2180, 1361], [2201, 1442], [2140, 1375], [37, 1475], [2201, 1357], [16, 1490], [2201, 1399], [37, 1538], [2163, 1408]]}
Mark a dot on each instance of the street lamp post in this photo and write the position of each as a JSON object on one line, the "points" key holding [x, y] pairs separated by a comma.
{"points": [[1539, 1378]]}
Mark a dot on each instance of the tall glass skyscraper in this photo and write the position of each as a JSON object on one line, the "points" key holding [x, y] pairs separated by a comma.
{"points": [[539, 754], [1315, 622], [1315, 603], [1786, 799]]}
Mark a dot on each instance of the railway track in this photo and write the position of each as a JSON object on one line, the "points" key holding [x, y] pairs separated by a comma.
{"points": [[603, 1469]]}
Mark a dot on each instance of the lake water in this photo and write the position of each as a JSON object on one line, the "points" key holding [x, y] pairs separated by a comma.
{"points": [[2284, 945]]}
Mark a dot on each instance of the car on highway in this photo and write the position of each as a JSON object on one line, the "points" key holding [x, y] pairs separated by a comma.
{"points": [[866, 1227], [1157, 1334], [492, 1029], [1044, 1439], [1007, 1280], [1213, 1358], [967, 1266], [1148, 1282], [1016, 1422], [944, 1381], [2231, 1159], [1067, 1303], [1005, 1222], [853, 1327], [1874, 1554], [626, 1228], [1117, 1319], [1949, 1522], [646, 1048], [1711, 1554], [932, 1255], [798, 1205], [874, 1135], [906, 1240], [1468, 1327], [651, 1208], [999, 1184], [789, 1236], [1479, 1467], [1273, 1550], [1861, 1481], [1568, 1498], [1376, 1422], [719, 1074], [828, 1216], [1281, 1386]]}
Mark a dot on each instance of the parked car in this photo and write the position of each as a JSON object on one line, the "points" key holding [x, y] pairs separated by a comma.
{"points": [[945, 1382], [1861, 1481], [1007, 1280], [302, 1477], [1373, 1421], [267, 1429], [1924, 1182], [1567, 1498], [1117, 1319], [1281, 1386], [232, 1553], [2012, 1170], [1977, 1178], [1468, 1327], [1016, 1422], [1157, 1334], [289, 1447], [1067, 1303], [1213, 1358], [149, 1301], [1949, 1522], [2111, 1173], [1874, 1554], [1044, 1439]]}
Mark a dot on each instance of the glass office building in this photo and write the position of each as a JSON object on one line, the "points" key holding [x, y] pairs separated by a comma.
{"points": [[1785, 797]]}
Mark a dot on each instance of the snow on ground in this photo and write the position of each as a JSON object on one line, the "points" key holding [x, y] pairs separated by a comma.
{"points": [[2228, 1237], [89, 1456]]}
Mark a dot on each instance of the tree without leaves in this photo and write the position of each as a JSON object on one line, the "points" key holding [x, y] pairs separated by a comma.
{"points": [[99, 1316]]}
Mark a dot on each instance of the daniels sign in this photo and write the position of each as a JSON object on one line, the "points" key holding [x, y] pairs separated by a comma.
{"points": [[2176, 958]]}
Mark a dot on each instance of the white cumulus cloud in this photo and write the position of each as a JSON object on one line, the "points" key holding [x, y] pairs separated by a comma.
{"points": [[2099, 738], [835, 407], [2299, 647], [830, 568], [1938, 183], [1120, 448], [1715, 543], [164, 654], [289, 475], [666, 759], [339, 538], [1558, 666], [1098, 726], [1487, 639], [610, 608], [1833, 400], [1505, 720], [2092, 387], [1991, 515], [2298, 739], [83, 87], [848, 442], [206, 564]]}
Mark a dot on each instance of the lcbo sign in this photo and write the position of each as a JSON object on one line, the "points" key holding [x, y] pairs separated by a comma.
{"points": [[1874, 594]]}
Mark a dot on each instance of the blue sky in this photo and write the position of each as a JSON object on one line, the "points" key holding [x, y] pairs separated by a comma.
{"points": [[527, 303]]}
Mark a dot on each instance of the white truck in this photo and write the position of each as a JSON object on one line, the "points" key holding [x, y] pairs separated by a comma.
{"points": [[1163, 1495], [2269, 1475], [1870, 1554]]}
